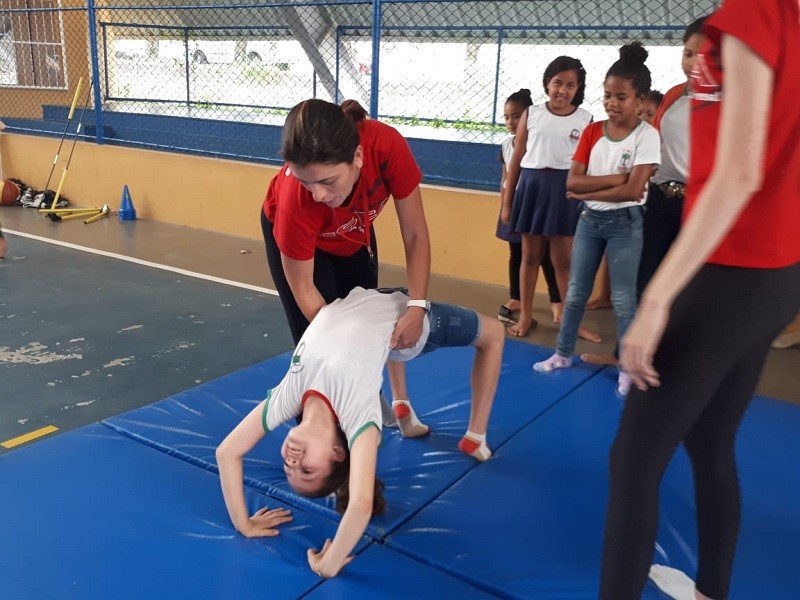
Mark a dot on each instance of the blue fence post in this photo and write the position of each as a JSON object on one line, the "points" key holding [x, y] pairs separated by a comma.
{"points": [[336, 70], [94, 80], [104, 29], [186, 63], [497, 76], [374, 81]]}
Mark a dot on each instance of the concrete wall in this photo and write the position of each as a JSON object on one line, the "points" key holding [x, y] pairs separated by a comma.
{"points": [[225, 196]]}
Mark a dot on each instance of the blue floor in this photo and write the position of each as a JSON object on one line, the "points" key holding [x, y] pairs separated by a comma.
{"points": [[131, 507]]}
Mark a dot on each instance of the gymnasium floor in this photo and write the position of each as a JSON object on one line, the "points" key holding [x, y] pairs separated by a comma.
{"points": [[143, 371]]}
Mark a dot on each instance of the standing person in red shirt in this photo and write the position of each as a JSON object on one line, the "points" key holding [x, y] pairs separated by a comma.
{"points": [[341, 168], [726, 288], [662, 220]]}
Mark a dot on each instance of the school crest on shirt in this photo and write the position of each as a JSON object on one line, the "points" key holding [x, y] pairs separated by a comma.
{"points": [[624, 165], [574, 136], [296, 365]]}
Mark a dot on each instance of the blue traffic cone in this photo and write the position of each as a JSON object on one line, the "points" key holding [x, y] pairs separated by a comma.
{"points": [[126, 210]]}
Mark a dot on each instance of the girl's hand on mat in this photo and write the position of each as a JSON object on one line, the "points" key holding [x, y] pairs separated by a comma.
{"points": [[264, 522], [641, 342], [315, 561]]}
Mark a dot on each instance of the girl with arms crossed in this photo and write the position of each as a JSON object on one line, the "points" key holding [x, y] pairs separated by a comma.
{"points": [[609, 173]]}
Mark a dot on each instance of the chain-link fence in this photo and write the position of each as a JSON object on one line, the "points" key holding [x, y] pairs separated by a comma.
{"points": [[437, 70]]}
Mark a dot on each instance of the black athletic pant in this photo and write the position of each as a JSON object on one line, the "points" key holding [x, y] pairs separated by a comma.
{"points": [[334, 276], [710, 360], [514, 263], [660, 226], [550, 275]]}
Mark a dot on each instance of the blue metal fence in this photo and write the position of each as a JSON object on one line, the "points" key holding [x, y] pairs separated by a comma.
{"points": [[438, 70]]}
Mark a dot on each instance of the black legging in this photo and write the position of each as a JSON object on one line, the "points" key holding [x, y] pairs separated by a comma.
{"points": [[514, 263], [661, 224], [334, 276], [710, 360]]}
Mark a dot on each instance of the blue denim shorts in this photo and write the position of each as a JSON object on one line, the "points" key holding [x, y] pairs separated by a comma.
{"points": [[451, 326]]}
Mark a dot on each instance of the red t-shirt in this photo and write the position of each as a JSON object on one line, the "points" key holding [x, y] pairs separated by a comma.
{"points": [[672, 95], [766, 233], [302, 225]]}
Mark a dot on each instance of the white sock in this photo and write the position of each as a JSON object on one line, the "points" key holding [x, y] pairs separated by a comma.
{"points": [[474, 444], [676, 584], [410, 425]]}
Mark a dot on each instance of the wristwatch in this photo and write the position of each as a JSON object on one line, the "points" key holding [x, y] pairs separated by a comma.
{"points": [[426, 304]]}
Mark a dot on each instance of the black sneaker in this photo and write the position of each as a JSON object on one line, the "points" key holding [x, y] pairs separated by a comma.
{"points": [[506, 315]]}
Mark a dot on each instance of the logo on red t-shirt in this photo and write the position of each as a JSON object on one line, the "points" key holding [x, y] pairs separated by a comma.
{"points": [[706, 77], [356, 222]]}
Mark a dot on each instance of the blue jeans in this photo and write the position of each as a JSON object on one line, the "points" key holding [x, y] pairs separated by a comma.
{"points": [[619, 234], [451, 326]]}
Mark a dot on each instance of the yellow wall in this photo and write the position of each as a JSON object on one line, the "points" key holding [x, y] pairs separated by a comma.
{"points": [[225, 195]]}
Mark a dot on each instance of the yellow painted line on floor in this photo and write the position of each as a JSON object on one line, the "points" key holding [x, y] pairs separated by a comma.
{"points": [[28, 436]]}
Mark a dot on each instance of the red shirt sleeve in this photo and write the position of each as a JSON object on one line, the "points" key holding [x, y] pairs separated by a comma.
{"points": [[589, 137], [669, 99], [297, 219], [754, 23], [398, 169]]}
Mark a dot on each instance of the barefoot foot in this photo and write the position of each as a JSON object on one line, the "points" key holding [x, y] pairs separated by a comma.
{"points": [[522, 327], [589, 335], [598, 303], [599, 359], [558, 311]]}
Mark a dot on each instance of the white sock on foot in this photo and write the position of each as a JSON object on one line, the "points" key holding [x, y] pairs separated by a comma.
{"points": [[554, 362], [474, 444], [410, 425], [676, 584]]}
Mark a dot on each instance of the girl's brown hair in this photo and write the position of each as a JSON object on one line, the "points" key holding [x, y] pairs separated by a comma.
{"points": [[321, 132], [338, 483]]}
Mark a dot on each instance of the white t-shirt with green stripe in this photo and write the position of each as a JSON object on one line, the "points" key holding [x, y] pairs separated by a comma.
{"points": [[341, 357]]}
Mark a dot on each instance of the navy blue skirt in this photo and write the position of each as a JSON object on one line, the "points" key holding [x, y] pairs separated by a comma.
{"points": [[541, 206], [504, 232]]}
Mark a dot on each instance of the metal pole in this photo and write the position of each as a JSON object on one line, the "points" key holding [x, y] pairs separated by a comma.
{"points": [[376, 58], [186, 59], [497, 76], [95, 78]]}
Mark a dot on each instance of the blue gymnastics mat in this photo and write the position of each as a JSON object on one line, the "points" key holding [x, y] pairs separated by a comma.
{"points": [[380, 572], [190, 425], [529, 524], [94, 515], [767, 448], [546, 491]]}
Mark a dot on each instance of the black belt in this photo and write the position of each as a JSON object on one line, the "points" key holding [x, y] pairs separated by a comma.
{"points": [[673, 189]]}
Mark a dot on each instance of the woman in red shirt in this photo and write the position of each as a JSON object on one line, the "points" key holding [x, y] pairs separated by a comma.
{"points": [[728, 285], [341, 168]]}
